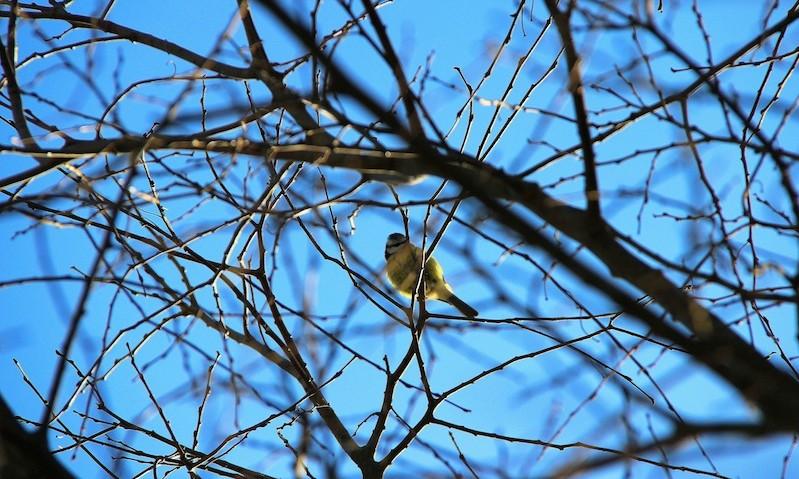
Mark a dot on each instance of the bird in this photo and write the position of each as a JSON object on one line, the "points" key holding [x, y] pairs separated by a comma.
{"points": [[403, 263]]}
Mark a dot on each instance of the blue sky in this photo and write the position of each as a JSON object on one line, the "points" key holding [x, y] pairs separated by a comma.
{"points": [[527, 400]]}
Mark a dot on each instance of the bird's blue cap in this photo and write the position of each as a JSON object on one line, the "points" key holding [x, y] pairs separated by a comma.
{"points": [[394, 242], [396, 237]]}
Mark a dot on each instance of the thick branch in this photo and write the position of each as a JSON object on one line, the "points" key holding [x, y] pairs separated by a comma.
{"points": [[576, 88]]}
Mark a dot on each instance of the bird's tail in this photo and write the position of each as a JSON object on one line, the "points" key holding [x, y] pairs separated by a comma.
{"points": [[461, 306]]}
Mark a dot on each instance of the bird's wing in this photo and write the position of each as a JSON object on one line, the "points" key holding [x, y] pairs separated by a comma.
{"points": [[434, 270], [437, 287]]}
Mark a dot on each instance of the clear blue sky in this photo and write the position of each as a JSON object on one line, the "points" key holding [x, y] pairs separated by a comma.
{"points": [[443, 34]]}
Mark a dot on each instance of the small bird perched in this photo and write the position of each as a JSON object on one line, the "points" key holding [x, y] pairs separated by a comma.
{"points": [[403, 263]]}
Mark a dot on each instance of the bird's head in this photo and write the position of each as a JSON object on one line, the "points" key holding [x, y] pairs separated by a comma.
{"points": [[394, 242]]}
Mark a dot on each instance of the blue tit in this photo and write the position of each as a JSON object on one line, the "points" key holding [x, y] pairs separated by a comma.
{"points": [[402, 268]]}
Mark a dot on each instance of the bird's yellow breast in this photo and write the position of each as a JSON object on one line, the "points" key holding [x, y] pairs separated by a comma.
{"points": [[403, 269]]}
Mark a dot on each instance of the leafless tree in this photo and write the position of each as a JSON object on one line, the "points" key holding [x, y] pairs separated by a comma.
{"points": [[208, 210]]}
